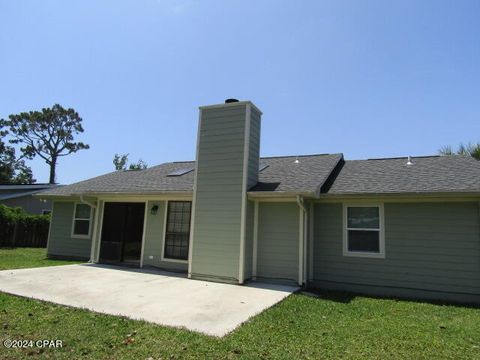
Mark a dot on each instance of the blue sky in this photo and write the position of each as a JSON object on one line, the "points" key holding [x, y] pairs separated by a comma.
{"points": [[366, 78]]}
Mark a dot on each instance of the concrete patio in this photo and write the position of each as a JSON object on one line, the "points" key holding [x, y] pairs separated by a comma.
{"points": [[159, 297]]}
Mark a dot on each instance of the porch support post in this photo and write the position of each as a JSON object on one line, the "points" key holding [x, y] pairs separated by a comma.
{"points": [[99, 238], [94, 235], [143, 234]]}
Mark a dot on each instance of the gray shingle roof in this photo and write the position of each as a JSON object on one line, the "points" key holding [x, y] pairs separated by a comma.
{"points": [[427, 175], [281, 175], [284, 175], [152, 180], [377, 176]]}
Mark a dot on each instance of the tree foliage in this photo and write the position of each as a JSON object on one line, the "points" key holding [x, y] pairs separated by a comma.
{"points": [[12, 170], [469, 149], [120, 162], [48, 133]]}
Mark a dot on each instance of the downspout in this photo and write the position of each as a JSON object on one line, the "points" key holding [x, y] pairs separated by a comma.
{"points": [[300, 203], [302, 247], [92, 205]]}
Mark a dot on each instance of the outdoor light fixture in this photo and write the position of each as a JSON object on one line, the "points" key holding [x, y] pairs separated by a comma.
{"points": [[154, 210]]}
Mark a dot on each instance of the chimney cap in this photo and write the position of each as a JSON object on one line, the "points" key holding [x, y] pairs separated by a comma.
{"points": [[231, 100]]}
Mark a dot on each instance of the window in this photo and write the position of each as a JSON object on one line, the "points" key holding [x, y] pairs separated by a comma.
{"points": [[363, 231], [177, 232], [82, 218], [180, 172]]}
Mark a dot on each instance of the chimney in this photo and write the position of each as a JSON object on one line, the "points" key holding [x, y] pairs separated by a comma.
{"points": [[227, 161]]}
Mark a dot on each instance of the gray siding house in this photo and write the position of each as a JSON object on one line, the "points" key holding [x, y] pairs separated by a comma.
{"points": [[22, 195], [407, 227]]}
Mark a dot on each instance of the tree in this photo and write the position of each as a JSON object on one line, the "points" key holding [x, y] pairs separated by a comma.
{"points": [[139, 165], [120, 163], [12, 170], [469, 149], [48, 133]]}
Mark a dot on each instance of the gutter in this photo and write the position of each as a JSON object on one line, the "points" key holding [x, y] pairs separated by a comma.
{"points": [[279, 194]]}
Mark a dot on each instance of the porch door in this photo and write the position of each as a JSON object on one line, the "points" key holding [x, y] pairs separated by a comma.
{"points": [[122, 232]]}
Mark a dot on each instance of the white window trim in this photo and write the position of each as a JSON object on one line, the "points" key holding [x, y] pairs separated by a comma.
{"points": [[381, 230], [165, 220], [79, 236]]}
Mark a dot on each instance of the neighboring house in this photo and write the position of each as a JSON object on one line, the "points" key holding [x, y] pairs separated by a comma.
{"points": [[22, 196], [401, 227]]}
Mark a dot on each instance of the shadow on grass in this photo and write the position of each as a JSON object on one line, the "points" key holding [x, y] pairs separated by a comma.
{"points": [[5, 247], [345, 297]]}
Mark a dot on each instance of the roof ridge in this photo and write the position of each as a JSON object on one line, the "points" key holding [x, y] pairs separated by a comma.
{"points": [[292, 156], [400, 157]]}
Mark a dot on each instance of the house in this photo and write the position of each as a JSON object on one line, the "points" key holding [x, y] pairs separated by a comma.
{"points": [[407, 227], [21, 195]]}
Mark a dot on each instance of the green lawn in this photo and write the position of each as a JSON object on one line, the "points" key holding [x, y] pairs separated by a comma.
{"points": [[331, 326], [17, 258]]}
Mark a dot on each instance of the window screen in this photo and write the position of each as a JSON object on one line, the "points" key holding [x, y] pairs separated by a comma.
{"points": [[363, 229], [81, 220], [177, 233]]}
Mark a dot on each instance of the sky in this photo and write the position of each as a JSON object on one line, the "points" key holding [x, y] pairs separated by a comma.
{"points": [[366, 78]]}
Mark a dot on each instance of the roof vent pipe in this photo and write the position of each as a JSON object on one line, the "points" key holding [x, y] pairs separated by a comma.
{"points": [[229, 101], [296, 160], [409, 161]]}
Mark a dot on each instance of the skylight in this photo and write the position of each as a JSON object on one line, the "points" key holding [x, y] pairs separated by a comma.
{"points": [[262, 167], [180, 172]]}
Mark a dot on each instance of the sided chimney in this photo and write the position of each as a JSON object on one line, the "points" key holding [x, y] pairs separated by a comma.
{"points": [[227, 161]]}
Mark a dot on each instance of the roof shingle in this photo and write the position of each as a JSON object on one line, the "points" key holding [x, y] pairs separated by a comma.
{"points": [[428, 174], [281, 175]]}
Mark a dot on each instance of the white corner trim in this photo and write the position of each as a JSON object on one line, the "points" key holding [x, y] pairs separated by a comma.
{"points": [[255, 241], [381, 230], [90, 220], [145, 214], [243, 214], [194, 198]]}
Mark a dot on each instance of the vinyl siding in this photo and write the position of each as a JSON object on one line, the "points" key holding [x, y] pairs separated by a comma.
{"points": [[154, 239], [278, 241], [432, 251], [254, 148], [28, 203], [219, 194], [60, 242], [249, 240]]}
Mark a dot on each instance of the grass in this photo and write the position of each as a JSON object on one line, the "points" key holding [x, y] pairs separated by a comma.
{"points": [[19, 258], [331, 326]]}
